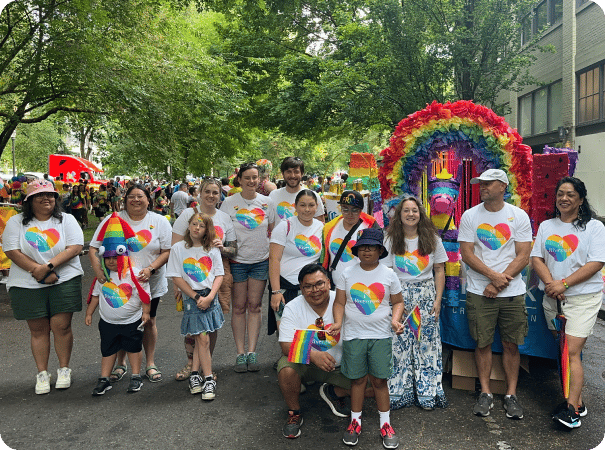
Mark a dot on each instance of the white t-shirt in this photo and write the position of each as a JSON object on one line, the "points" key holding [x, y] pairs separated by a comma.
{"points": [[195, 265], [251, 219], [299, 315], [119, 300], [494, 235], [302, 246], [179, 200], [412, 267], [368, 308], [565, 249], [154, 233], [42, 241], [284, 204], [222, 224], [346, 259]]}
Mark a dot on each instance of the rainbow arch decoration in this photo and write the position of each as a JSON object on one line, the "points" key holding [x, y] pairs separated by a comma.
{"points": [[473, 131]]}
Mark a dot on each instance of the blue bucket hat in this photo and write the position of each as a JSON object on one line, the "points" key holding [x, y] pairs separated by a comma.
{"points": [[370, 236]]}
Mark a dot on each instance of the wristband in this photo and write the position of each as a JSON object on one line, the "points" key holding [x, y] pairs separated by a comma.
{"points": [[565, 283], [197, 297]]}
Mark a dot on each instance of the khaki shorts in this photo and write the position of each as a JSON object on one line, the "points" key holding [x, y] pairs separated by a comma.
{"points": [[580, 311], [361, 357], [308, 372], [509, 313]]}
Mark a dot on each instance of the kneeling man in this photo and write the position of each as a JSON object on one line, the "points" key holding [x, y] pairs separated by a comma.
{"points": [[312, 309]]}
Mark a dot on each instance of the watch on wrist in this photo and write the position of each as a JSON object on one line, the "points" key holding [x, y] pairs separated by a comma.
{"points": [[279, 291], [151, 269], [197, 297], [51, 266]]}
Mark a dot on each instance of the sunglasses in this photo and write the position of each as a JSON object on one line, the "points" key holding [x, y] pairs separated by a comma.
{"points": [[319, 323]]}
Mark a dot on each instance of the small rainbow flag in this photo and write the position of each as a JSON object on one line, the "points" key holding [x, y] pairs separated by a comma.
{"points": [[300, 349], [413, 320]]}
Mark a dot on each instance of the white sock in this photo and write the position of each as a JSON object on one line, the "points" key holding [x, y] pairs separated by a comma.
{"points": [[356, 416], [385, 417]]}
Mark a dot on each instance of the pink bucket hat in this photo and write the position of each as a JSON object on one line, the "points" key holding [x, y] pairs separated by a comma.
{"points": [[37, 186]]}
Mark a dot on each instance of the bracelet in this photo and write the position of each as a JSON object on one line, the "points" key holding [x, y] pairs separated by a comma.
{"points": [[279, 291], [565, 283]]}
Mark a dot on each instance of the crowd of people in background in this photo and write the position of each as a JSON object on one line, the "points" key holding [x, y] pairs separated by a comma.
{"points": [[223, 241]]}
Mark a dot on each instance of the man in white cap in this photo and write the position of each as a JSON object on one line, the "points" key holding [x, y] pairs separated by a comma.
{"points": [[495, 243]]}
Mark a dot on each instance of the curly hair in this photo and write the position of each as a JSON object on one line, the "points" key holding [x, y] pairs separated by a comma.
{"points": [[208, 237], [585, 212], [427, 232], [28, 210]]}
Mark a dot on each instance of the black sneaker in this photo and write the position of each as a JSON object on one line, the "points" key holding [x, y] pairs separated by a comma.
{"points": [[103, 386], [568, 417], [136, 382], [195, 384], [485, 402], [336, 404], [582, 410], [209, 390], [512, 407], [291, 429]]}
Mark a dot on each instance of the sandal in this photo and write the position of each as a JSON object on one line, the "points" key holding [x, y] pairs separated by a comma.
{"points": [[184, 373], [117, 373], [154, 377]]}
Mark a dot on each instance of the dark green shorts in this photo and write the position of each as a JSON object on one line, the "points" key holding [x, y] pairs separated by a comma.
{"points": [[309, 372], [484, 313], [47, 301], [361, 357]]}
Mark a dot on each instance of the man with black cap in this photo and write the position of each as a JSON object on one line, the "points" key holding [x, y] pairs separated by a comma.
{"points": [[495, 243], [339, 235]]}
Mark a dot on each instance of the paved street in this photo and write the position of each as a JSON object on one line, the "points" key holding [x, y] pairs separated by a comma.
{"points": [[248, 411]]}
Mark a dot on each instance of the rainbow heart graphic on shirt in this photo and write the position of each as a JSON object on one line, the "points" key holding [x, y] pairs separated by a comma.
{"points": [[347, 255], [140, 241], [308, 246], [493, 237], [367, 298], [323, 344], [116, 296], [197, 270], [219, 232], [285, 210], [250, 219], [560, 248], [41, 240], [413, 263]]}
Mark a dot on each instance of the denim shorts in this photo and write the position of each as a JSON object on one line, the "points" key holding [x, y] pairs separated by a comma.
{"points": [[241, 271]]}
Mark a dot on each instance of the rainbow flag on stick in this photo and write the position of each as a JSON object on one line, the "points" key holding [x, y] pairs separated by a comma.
{"points": [[413, 320], [300, 349]]}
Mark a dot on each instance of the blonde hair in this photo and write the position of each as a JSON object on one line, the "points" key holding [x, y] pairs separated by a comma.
{"points": [[208, 237]]}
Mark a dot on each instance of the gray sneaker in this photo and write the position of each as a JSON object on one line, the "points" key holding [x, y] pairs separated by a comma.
{"points": [[291, 429], [483, 405], [513, 408], [253, 365], [351, 435], [240, 364]]}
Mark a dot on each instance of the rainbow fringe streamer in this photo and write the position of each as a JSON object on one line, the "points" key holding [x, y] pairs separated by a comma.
{"points": [[414, 321], [474, 131], [300, 349]]}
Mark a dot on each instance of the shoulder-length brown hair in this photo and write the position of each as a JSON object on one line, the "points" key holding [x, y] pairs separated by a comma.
{"points": [[427, 232], [208, 238]]}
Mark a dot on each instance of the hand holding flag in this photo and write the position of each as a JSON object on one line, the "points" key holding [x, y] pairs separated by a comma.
{"points": [[413, 319]]}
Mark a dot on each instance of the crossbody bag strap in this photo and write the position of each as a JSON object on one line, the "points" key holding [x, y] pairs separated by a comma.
{"points": [[343, 245]]}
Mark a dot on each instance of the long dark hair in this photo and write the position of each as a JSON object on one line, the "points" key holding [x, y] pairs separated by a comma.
{"points": [[142, 188], [427, 232], [28, 210], [585, 212]]}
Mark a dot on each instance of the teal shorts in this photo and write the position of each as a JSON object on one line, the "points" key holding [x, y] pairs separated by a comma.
{"points": [[28, 304], [309, 372], [361, 357]]}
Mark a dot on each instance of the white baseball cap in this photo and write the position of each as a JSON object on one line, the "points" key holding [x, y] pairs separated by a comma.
{"points": [[491, 175]]}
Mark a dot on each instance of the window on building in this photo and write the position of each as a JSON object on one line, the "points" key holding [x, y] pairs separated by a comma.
{"points": [[526, 30], [540, 17], [589, 95], [547, 12], [540, 111], [556, 11]]}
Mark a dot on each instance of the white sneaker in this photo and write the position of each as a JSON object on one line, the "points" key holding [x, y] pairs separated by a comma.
{"points": [[63, 378], [43, 382]]}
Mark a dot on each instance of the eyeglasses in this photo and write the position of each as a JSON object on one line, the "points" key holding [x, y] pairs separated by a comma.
{"points": [[45, 195], [367, 248], [350, 210], [312, 287], [319, 323]]}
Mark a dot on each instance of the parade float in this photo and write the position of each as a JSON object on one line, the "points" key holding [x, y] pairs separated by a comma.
{"points": [[433, 154]]}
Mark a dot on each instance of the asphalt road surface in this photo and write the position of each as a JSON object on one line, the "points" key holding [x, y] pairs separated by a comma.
{"points": [[248, 411]]}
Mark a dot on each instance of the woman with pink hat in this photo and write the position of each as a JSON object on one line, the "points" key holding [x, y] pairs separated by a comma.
{"points": [[45, 280]]}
